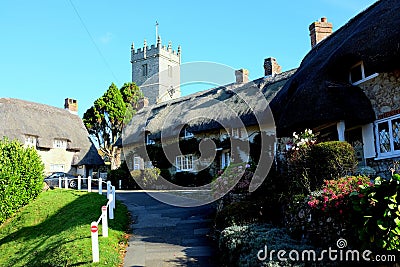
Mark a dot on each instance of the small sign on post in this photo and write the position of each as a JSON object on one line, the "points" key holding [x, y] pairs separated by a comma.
{"points": [[100, 186], [89, 184], [104, 222], [95, 241]]}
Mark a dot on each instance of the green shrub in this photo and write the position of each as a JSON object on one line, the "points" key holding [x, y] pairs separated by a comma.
{"points": [[122, 174], [21, 177], [238, 213], [146, 178], [330, 160], [377, 214]]}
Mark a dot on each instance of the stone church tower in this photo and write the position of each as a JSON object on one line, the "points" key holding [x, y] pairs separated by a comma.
{"points": [[156, 70]]}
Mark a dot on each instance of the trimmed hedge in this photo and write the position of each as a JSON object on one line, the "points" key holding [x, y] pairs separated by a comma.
{"points": [[331, 160], [21, 177]]}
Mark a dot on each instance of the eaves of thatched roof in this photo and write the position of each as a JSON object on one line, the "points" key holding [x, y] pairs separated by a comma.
{"points": [[20, 118], [230, 106], [320, 91]]}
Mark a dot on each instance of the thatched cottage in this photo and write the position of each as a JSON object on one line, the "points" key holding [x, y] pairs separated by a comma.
{"points": [[233, 112], [58, 135], [348, 87]]}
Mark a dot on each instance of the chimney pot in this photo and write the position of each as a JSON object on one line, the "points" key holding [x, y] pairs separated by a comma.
{"points": [[242, 76], [271, 67], [319, 30], [142, 103]]}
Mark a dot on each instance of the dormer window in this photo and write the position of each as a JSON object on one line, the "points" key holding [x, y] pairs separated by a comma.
{"points": [[359, 73], [149, 141], [30, 141], [187, 134], [236, 132], [60, 143]]}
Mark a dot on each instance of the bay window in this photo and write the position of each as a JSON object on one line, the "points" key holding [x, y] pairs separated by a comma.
{"points": [[387, 133]]}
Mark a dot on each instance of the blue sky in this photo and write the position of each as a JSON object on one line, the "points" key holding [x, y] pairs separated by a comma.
{"points": [[53, 49]]}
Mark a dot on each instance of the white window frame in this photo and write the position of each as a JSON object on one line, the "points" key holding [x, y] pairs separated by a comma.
{"points": [[55, 167], [60, 143], [225, 159], [30, 141], [363, 77], [184, 163], [136, 163], [187, 134], [392, 152]]}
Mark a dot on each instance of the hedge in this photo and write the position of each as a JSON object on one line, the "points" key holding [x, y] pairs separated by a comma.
{"points": [[21, 177]]}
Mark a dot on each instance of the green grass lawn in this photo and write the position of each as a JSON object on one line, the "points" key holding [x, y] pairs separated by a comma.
{"points": [[54, 230]]}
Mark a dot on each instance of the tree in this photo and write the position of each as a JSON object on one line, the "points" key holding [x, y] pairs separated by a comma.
{"points": [[106, 118]]}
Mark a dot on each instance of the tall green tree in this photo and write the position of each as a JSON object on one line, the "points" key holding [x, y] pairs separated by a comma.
{"points": [[105, 119]]}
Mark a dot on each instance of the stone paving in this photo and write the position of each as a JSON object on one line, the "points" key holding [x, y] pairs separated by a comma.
{"points": [[165, 235]]}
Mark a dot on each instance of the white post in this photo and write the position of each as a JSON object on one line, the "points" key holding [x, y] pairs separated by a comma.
{"points": [[100, 186], [79, 182], [59, 182], [108, 189], [104, 223], [89, 184], [341, 127], [66, 182], [95, 241], [113, 194], [110, 208], [119, 184]]}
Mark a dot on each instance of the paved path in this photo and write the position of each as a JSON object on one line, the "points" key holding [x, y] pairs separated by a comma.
{"points": [[165, 235]]}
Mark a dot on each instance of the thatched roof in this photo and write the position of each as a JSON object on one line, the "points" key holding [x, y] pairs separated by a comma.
{"points": [[320, 92], [230, 106], [20, 118]]}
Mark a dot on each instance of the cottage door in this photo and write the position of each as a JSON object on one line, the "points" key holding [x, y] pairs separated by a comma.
{"points": [[354, 137]]}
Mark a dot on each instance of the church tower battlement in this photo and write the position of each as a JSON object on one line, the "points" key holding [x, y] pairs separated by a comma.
{"points": [[156, 70]]}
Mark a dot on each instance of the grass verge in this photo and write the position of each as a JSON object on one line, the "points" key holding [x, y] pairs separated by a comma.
{"points": [[54, 230]]}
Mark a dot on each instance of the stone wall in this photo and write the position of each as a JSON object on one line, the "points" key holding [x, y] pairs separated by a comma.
{"points": [[383, 166], [384, 92]]}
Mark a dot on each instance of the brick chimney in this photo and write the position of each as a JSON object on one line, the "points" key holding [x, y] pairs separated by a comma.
{"points": [[271, 67], [319, 30], [71, 105], [242, 76]]}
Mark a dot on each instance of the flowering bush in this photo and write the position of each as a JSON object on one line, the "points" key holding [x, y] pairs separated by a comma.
{"points": [[334, 196], [302, 140], [298, 150], [326, 214]]}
